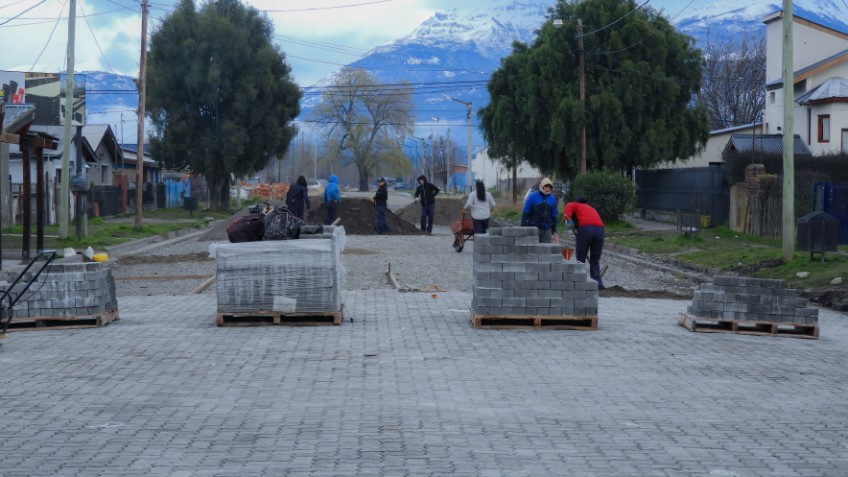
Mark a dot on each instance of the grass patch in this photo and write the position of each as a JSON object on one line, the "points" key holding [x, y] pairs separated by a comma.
{"points": [[176, 214], [619, 226], [101, 233], [724, 249]]}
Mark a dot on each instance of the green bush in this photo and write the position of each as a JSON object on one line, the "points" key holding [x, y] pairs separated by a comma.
{"points": [[610, 193]]}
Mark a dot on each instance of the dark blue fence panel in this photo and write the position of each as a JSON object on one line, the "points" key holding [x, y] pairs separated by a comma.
{"points": [[833, 199], [698, 190]]}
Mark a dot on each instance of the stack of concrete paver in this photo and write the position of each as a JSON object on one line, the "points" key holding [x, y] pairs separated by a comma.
{"points": [[72, 290], [283, 276], [515, 275], [742, 299]]}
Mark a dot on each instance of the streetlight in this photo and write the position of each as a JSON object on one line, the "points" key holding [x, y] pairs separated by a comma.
{"points": [[582, 72], [468, 119]]}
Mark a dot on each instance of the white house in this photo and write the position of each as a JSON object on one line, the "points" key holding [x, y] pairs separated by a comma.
{"points": [[820, 67], [493, 173]]}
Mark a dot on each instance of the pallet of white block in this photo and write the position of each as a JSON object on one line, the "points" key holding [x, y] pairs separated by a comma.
{"points": [[543, 322], [748, 327], [62, 322], [270, 318]]}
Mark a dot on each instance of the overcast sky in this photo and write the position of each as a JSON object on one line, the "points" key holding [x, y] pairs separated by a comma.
{"points": [[309, 31]]}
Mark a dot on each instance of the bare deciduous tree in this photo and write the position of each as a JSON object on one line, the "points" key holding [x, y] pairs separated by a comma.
{"points": [[734, 82], [364, 118]]}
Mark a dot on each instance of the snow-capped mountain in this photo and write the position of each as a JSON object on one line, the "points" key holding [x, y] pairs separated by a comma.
{"points": [[453, 53], [727, 19]]}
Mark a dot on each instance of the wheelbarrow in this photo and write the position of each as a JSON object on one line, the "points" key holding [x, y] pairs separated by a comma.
{"points": [[462, 230]]}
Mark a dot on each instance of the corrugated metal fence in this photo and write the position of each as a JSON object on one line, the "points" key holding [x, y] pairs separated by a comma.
{"points": [[699, 190]]}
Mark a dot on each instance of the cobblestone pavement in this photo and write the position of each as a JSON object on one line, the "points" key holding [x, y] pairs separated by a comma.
{"points": [[409, 388]]}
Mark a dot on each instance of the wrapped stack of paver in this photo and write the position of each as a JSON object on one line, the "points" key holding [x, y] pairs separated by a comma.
{"points": [[519, 282], [65, 294], [275, 281], [750, 305]]}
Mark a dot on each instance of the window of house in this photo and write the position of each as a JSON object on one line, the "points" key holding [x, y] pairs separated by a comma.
{"points": [[772, 97], [824, 128]]}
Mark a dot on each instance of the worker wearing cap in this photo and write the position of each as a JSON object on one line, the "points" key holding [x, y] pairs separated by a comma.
{"points": [[590, 235], [381, 199], [540, 211]]}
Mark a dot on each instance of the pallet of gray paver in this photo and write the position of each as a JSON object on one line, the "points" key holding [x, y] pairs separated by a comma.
{"points": [[751, 306], [758, 328], [269, 318], [275, 282], [534, 322], [33, 323], [521, 283]]}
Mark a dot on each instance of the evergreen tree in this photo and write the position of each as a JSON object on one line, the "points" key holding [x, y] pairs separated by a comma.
{"points": [[641, 79], [220, 93]]}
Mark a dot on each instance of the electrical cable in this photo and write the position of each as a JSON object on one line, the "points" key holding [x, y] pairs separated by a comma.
{"points": [[12, 4], [616, 21], [643, 39], [59, 18], [95, 40], [43, 20], [19, 14]]}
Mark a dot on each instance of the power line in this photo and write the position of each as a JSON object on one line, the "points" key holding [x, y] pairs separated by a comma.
{"points": [[62, 10], [655, 32], [95, 40], [333, 7], [12, 4], [617, 20], [43, 20], [19, 14]]}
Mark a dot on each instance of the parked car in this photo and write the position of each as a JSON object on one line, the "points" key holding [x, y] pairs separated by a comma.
{"points": [[316, 186], [401, 185]]}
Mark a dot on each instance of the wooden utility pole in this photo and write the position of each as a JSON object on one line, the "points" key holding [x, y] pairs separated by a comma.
{"points": [[139, 146], [64, 188], [582, 68], [788, 135]]}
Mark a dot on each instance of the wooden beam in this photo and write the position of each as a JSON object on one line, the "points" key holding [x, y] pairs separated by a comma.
{"points": [[35, 141], [9, 137]]}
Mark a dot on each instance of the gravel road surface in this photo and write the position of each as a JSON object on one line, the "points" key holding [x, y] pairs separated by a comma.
{"points": [[417, 261]]}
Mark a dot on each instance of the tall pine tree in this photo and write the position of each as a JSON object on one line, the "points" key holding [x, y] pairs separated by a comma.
{"points": [[641, 80], [220, 93]]}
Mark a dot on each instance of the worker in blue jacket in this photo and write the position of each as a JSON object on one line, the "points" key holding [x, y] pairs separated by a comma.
{"points": [[540, 211], [331, 198]]}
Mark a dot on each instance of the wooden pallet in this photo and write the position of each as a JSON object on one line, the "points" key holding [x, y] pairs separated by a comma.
{"points": [[757, 328], [62, 322], [536, 322], [269, 318]]}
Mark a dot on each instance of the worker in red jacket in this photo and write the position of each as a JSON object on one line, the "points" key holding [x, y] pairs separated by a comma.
{"points": [[590, 235]]}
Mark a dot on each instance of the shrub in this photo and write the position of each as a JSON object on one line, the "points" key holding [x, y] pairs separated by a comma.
{"points": [[610, 193]]}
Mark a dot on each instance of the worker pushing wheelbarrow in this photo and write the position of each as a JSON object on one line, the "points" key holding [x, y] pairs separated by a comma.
{"points": [[480, 204]]}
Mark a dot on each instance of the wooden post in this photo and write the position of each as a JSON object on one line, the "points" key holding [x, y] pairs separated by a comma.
{"points": [[788, 135], [39, 199], [139, 154], [26, 208]]}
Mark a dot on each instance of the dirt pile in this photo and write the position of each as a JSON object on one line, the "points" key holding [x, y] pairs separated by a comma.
{"points": [[359, 217], [447, 210], [835, 297]]}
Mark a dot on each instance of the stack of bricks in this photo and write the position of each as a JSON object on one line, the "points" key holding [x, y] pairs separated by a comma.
{"points": [[287, 276], [751, 299], [65, 290], [515, 275]]}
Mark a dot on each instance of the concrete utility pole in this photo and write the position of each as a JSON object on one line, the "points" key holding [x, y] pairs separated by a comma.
{"points": [[788, 135], [468, 119], [64, 188], [582, 68], [139, 146]]}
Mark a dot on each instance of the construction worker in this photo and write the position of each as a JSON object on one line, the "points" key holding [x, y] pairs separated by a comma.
{"points": [[540, 211], [428, 193], [380, 200], [590, 235], [331, 198], [481, 204]]}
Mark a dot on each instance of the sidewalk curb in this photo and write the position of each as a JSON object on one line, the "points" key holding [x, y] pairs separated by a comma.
{"points": [[148, 243], [698, 274]]}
